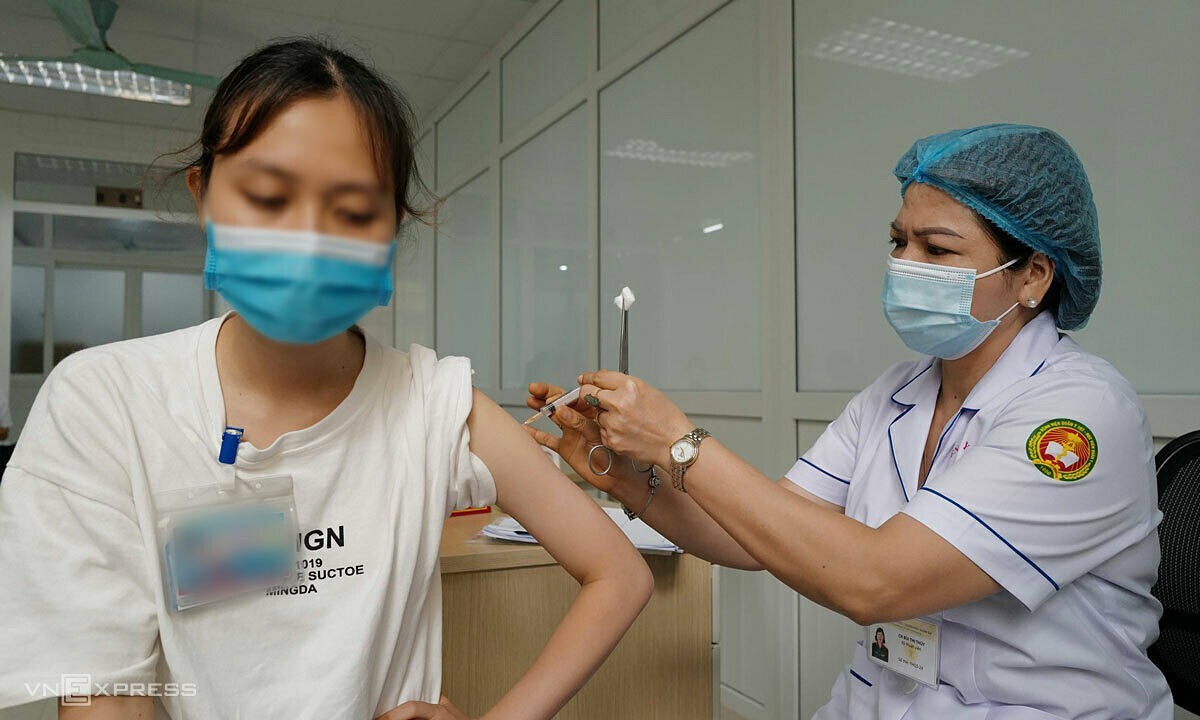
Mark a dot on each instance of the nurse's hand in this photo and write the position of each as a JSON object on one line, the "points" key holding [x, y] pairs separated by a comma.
{"points": [[635, 418], [414, 710], [580, 434]]}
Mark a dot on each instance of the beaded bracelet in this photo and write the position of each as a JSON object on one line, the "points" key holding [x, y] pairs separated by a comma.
{"points": [[653, 482]]}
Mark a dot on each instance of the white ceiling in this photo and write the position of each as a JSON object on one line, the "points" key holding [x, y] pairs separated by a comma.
{"points": [[426, 46]]}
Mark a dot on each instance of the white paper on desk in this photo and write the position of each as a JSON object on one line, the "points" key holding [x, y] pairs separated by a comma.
{"points": [[643, 537]]}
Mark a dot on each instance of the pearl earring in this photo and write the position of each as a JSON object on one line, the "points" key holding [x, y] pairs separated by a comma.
{"points": [[1031, 302]]}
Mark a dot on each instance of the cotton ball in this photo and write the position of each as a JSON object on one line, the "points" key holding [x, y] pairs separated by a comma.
{"points": [[624, 301]]}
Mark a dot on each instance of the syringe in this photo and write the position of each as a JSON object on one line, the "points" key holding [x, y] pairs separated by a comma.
{"points": [[550, 408]]}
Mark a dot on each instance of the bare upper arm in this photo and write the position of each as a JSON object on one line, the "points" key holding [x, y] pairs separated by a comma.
{"points": [[820, 502], [920, 572], [917, 571], [568, 523], [118, 707]]}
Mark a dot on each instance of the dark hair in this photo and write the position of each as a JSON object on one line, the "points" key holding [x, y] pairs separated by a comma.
{"points": [[271, 79], [1011, 248]]}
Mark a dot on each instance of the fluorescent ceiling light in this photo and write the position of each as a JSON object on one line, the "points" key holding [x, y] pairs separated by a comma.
{"points": [[124, 84], [652, 151], [562, 267], [713, 228], [911, 50]]}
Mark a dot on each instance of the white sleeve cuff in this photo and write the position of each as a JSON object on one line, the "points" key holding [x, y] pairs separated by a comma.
{"points": [[819, 482], [982, 545]]}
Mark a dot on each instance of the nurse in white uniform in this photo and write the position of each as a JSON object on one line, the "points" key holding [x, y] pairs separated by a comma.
{"points": [[991, 506]]}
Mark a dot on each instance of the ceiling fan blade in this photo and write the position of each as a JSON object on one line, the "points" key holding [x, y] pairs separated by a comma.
{"points": [[179, 76], [85, 21], [12, 60]]}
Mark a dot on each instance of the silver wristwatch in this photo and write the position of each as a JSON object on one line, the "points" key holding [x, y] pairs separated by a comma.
{"points": [[684, 452]]}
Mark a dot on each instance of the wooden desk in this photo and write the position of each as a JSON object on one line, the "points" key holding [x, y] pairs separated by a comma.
{"points": [[502, 600]]}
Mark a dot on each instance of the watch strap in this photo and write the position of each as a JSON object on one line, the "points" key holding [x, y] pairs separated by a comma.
{"points": [[695, 437]]}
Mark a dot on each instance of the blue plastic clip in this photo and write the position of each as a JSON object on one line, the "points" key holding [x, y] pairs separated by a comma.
{"points": [[229, 444]]}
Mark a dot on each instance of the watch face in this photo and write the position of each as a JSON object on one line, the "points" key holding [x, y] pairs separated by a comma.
{"points": [[683, 451]]}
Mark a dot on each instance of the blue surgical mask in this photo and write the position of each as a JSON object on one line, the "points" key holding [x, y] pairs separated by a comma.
{"points": [[929, 307], [297, 287]]}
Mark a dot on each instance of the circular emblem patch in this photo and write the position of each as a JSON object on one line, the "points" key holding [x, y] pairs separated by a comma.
{"points": [[1062, 449]]}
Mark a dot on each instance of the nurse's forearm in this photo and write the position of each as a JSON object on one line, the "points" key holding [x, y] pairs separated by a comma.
{"points": [[832, 559], [682, 521], [595, 622]]}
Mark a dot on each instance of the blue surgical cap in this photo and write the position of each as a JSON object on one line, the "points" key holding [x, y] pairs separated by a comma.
{"points": [[1030, 183]]}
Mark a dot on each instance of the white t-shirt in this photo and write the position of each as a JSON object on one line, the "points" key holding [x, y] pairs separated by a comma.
{"points": [[1045, 480], [374, 482]]}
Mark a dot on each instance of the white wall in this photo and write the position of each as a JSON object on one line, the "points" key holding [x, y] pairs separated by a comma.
{"points": [[1100, 74]]}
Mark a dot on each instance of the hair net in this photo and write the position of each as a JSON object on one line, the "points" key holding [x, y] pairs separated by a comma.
{"points": [[1029, 182]]}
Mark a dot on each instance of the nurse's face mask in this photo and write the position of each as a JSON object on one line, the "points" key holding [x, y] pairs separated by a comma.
{"points": [[929, 307], [297, 287]]}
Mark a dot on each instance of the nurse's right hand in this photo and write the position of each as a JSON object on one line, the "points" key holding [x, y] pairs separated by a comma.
{"points": [[580, 434]]}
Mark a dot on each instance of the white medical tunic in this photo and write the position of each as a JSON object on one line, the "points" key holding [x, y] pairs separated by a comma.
{"points": [[1045, 480]]}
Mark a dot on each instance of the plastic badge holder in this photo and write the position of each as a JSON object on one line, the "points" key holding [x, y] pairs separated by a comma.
{"points": [[220, 541]]}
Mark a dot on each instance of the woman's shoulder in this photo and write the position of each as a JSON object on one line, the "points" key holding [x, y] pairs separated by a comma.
{"points": [[1073, 371], [425, 364], [98, 384], [1074, 383], [115, 365], [74, 433], [437, 381]]}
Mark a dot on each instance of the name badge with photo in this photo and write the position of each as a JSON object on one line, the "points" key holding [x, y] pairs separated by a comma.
{"points": [[908, 647]]}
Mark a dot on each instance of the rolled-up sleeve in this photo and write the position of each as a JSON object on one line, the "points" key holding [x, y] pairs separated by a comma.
{"points": [[449, 398]]}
